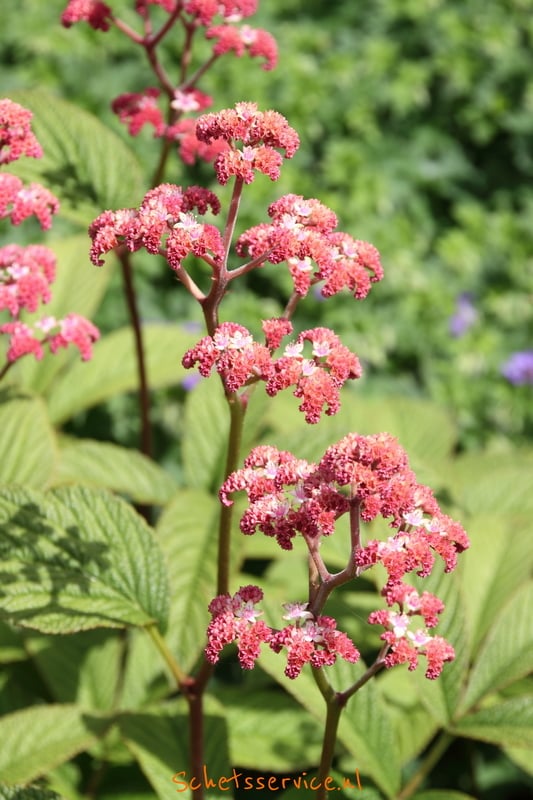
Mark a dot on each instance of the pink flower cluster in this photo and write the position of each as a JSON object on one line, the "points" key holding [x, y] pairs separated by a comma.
{"points": [[317, 377], [406, 644], [16, 134], [25, 277], [302, 233], [18, 202], [260, 133], [162, 224], [73, 329], [288, 496], [26, 273], [308, 641]]}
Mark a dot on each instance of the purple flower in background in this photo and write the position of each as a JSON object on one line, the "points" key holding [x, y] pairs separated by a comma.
{"points": [[190, 381], [518, 369], [464, 317]]}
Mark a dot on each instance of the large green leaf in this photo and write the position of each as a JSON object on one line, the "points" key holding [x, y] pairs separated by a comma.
{"points": [[105, 465], [159, 741], [187, 531], [507, 653], [494, 483], [85, 164], [489, 575], [507, 724], [82, 668], [441, 696], [269, 731], [78, 288], [414, 726], [423, 429], [27, 442], [365, 728], [27, 793], [77, 558], [113, 369], [38, 738], [206, 426]]}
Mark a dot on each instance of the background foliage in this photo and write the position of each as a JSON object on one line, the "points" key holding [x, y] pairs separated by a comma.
{"points": [[416, 120]]}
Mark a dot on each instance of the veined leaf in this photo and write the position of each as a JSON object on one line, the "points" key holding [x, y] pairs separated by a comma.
{"points": [[75, 559], [105, 465], [27, 442], [113, 369], [485, 484], [85, 164], [204, 446], [506, 724], [82, 668], [159, 741], [507, 653], [364, 729], [269, 731], [187, 531], [441, 696], [490, 575], [41, 737]]}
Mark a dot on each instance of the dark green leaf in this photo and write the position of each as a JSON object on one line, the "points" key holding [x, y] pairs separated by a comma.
{"points": [[77, 558]]}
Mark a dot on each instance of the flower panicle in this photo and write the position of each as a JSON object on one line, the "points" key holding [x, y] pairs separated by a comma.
{"points": [[317, 377], [26, 339], [307, 640]]}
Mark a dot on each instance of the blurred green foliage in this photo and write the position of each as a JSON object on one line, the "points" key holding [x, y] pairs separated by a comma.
{"points": [[416, 121]]}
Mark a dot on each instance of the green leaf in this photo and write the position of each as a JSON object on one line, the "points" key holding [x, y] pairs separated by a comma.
{"points": [[423, 429], [159, 741], [269, 731], [27, 793], [82, 668], [499, 484], [507, 653], [521, 757], [41, 737], [108, 466], [85, 164], [11, 645], [490, 575], [27, 442], [441, 696], [414, 726], [78, 288], [76, 559], [113, 369], [188, 533], [506, 724], [365, 728], [206, 426]]}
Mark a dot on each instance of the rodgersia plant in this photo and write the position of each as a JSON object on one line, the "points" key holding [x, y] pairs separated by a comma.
{"points": [[361, 478]]}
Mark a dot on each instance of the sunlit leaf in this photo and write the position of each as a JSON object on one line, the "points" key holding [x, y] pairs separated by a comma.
{"points": [[75, 559], [38, 738]]}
